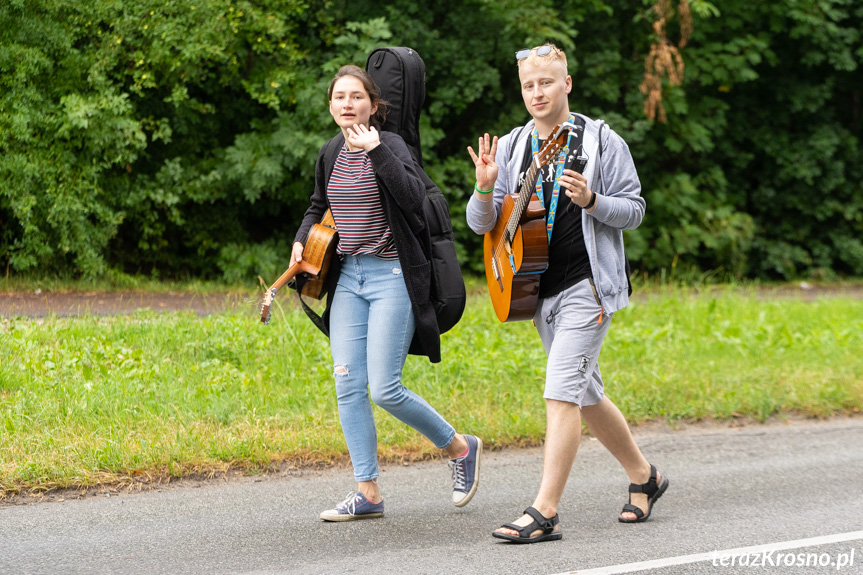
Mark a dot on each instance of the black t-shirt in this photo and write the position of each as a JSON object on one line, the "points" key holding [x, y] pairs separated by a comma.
{"points": [[568, 263]]}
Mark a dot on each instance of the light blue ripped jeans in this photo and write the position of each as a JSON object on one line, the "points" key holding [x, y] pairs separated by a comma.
{"points": [[371, 327]]}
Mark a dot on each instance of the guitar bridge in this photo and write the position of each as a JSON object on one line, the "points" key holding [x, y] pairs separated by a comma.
{"points": [[496, 272]]}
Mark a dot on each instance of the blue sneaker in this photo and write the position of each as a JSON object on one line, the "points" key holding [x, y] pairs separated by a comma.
{"points": [[355, 506], [465, 472]]}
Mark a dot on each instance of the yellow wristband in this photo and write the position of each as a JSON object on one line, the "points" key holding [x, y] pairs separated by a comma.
{"points": [[476, 188]]}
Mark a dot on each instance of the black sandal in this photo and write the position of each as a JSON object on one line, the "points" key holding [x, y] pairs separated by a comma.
{"points": [[539, 522], [653, 491]]}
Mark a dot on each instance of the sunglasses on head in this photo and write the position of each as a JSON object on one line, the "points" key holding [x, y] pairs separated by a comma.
{"points": [[541, 51]]}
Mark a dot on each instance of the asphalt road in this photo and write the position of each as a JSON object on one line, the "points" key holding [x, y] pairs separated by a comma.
{"points": [[730, 488]]}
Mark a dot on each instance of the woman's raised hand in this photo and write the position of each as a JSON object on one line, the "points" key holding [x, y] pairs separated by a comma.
{"points": [[486, 169], [359, 136]]}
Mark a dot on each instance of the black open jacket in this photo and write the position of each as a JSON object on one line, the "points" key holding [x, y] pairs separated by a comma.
{"points": [[402, 194]]}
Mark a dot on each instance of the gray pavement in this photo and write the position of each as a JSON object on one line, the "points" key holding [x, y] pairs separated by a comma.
{"points": [[730, 488]]}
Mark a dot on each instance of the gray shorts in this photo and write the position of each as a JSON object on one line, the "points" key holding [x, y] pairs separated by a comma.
{"points": [[569, 327]]}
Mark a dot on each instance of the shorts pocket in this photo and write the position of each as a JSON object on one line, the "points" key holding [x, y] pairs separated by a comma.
{"points": [[595, 294]]}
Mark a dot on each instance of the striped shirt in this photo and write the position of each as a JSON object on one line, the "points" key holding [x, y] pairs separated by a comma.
{"points": [[356, 205]]}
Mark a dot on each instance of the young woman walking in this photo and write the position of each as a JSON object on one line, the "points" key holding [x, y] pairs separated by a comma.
{"points": [[378, 308]]}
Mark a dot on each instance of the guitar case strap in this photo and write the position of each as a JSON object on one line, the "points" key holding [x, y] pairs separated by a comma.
{"points": [[331, 152], [317, 320]]}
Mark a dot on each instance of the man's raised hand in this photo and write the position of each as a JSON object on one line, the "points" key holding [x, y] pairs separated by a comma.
{"points": [[486, 169]]}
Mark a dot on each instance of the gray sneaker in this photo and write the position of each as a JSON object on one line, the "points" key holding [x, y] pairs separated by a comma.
{"points": [[354, 507], [465, 472]]}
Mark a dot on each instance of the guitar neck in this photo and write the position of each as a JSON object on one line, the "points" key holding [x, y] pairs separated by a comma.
{"points": [[289, 274], [552, 145], [524, 195]]}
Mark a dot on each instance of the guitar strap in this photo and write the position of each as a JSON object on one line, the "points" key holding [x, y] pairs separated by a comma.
{"points": [[317, 320], [561, 160]]}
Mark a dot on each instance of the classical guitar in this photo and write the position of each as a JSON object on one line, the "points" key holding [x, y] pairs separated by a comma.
{"points": [[516, 249], [317, 255]]}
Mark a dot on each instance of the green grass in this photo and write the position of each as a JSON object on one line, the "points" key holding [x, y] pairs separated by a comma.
{"points": [[130, 398]]}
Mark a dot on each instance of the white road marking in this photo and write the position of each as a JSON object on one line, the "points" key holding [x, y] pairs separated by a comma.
{"points": [[699, 557]]}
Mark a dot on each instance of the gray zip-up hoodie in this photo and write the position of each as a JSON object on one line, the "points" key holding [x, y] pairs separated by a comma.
{"points": [[619, 205]]}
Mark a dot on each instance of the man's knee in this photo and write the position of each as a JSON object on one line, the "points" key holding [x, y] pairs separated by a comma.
{"points": [[561, 407]]}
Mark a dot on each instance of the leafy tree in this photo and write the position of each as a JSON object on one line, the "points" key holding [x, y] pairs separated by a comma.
{"points": [[179, 136]]}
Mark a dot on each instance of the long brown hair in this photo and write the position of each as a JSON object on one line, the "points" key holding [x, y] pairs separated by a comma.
{"points": [[371, 89]]}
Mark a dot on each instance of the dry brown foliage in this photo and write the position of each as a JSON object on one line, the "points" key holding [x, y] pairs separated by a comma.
{"points": [[664, 59]]}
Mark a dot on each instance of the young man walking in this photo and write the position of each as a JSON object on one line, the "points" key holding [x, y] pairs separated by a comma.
{"points": [[584, 284]]}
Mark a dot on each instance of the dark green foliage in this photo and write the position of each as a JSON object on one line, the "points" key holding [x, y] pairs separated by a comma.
{"points": [[178, 137]]}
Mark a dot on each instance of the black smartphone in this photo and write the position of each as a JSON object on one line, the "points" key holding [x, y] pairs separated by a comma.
{"points": [[576, 161]]}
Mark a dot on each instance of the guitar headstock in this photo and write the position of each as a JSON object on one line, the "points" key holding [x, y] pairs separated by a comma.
{"points": [[555, 141], [269, 296]]}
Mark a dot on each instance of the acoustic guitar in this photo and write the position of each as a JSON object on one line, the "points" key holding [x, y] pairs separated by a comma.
{"points": [[516, 249], [317, 255]]}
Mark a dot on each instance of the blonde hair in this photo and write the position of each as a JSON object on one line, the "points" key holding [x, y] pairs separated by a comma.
{"points": [[556, 55]]}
